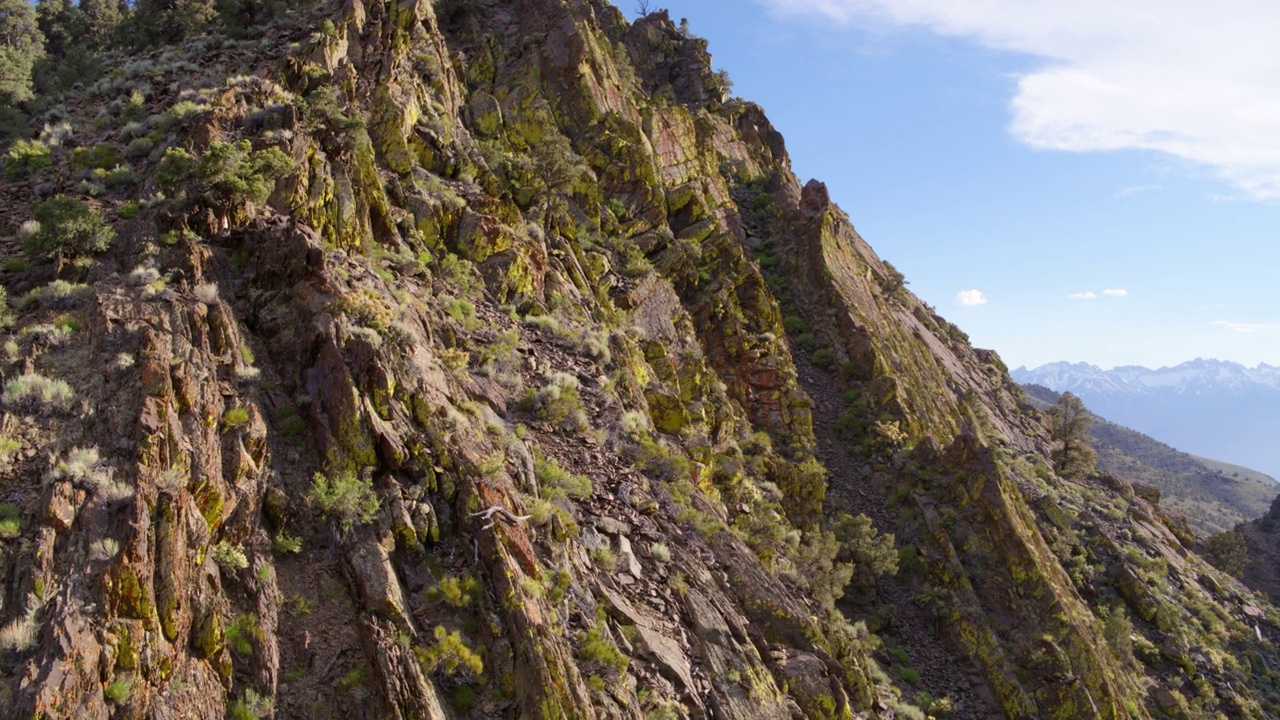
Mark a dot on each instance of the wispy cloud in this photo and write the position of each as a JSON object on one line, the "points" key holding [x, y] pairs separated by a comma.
{"points": [[970, 298], [1192, 79], [1116, 292], [1083, 296], [1139, 189], [1243, 327]]}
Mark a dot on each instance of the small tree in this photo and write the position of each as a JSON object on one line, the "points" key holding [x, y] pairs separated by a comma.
{"points": [[68, 229], [227, 178], [872, 553], [1227, 551], [345, 496], [643, 8], [1069, 429], [21, 45]]}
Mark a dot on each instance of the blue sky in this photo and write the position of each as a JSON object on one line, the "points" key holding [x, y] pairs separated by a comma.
{"points": [[1042, 154]]}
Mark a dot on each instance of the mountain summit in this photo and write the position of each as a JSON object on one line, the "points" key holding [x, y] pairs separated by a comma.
{"points": [[1213, 408], [483, 359]]}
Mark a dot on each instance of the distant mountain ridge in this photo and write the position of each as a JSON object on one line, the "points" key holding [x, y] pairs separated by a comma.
{"points": [[1213, 495], [1209, 407]]}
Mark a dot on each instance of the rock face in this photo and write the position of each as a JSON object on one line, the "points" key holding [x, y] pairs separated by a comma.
{"points": [[513, 399]]}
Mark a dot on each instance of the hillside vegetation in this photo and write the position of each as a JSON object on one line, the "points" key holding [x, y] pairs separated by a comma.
{"points": [[1214, 496], [486, 359]]}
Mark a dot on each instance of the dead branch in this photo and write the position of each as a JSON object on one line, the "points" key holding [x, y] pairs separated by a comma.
{"points": [[497, 512]]}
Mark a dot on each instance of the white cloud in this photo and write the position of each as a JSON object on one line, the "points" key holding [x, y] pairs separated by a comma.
{"points": [[970, 298], [1116, 292], [1192, 79], [1241, 327], [1083, 296]]}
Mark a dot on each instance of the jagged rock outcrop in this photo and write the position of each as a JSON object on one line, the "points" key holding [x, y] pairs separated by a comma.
{"points": [[501, 403]]}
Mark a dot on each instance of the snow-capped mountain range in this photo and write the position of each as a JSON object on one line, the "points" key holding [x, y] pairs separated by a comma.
{"points": [[1214, 408]]}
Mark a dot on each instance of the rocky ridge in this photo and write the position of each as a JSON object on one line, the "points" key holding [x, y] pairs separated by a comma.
{"points": [[535, 283]]}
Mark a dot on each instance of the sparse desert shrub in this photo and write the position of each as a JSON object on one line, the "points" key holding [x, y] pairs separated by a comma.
{"points": [[243, 633], [235, 416], [206, 293], [77, 464], [8, 447], [68, 229], [498, 357], [595, 344], [139, 147], [558, 401], [33, 391], [25, 158], [84, 467], [461, 310], [660, 552], [251, 707], [285, 544], [118, 691], [595, 647], [558, 483], [456, 591], [345, 497], [449, 653], [56, 294], [179, 113], [366, 308], [229, 557], [104, 550], [21, 634], [100, 157], [10, 521]]}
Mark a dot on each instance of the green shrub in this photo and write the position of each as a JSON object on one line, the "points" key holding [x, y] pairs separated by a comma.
{"points": [[350, 680], [449, 653], [558, 483], [366, 308], [286, 544], [458, 592], [179, 113], [558, 401], [595, 647], [227, 178], [129, 210], [118, 692], [345, 497], [101, 157], [660, 552], [139, 147], [794, 325], [25, 158], [34, 391], [463, 698], [1227, 552], [68, 228], [229, 557], [235, 416], [243, 633], [251, 707], [10, 521]]}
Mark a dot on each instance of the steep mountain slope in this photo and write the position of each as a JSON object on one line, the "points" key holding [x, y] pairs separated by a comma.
{"points": [[461, 360], [1208, 407], [1214, 496]]}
